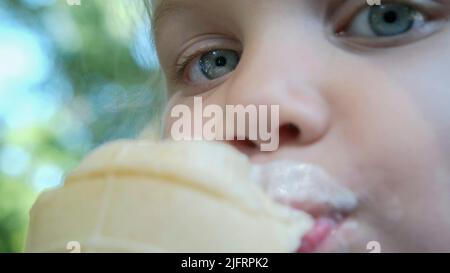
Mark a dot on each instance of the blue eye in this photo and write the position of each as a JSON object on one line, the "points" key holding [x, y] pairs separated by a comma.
{"points": [[217, 63], [386, 20], [391, 19]]}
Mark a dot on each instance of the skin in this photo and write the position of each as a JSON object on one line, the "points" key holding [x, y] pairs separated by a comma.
{"points": [[375, 117]]}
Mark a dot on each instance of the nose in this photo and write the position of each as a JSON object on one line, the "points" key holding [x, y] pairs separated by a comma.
{"points": [[304, 116]]}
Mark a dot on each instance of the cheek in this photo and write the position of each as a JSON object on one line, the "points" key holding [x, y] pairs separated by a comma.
{"points": [[215, 96], [396, 152], [422, 69], [385, 131], [431, 90]]}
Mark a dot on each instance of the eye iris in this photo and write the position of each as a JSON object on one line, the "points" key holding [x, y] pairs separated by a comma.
{"points": [[217, 63], [391, 19]]}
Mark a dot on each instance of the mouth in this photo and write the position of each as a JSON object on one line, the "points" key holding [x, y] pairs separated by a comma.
{"points": [[309, 188], [318, 239], [320, 231]]}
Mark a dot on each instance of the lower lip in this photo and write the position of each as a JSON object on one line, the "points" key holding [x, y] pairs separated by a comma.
{"points": [[318, 234]]}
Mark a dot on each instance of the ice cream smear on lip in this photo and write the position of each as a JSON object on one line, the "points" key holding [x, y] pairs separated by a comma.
{"points": [[305, 186], [309, 188]]}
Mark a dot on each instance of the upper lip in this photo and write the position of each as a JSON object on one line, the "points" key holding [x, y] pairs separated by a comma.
{"points": [[305, 187]]}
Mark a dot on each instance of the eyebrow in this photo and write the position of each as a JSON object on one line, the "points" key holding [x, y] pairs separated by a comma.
{"points": [[164, 9]]}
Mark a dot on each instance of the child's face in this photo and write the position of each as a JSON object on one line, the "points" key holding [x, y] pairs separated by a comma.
{"points": [[370, 104]]}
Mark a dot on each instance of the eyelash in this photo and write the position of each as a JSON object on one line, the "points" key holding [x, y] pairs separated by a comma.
{"points": [[434, 15], [348, 11], [182, 65], [180, 68]]}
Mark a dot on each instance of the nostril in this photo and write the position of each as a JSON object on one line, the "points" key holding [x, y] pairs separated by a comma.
{"points": [[246, 146], [288, 133]]}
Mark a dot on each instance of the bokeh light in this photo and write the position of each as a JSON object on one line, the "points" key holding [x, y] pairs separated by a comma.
{"points": [[71, 78]]}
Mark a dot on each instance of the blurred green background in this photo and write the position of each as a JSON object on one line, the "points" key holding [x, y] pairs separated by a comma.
{"points": [[71, 77]]}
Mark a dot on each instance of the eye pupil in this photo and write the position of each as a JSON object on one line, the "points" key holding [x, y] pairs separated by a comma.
{"points": [[390, 17], [221, 61]]}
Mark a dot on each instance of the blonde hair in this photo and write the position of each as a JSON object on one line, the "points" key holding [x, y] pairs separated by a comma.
{"points": [[148, 7]]}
